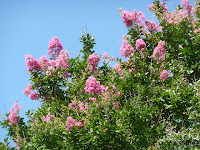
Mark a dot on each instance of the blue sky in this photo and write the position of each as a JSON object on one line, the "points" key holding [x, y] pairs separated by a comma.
{"points": [[27, 26]]}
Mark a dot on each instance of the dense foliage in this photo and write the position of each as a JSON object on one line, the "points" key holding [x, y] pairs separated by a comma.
{"points": [[149, 100]]}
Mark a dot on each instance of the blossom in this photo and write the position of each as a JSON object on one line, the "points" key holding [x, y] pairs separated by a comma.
{"points": [[70, 122], [150, 7], [116, 105], [93, 99], [117, 94], [129, 18], [140, 44], [126, 49], [187, 6], [44, 63], [118, 68], [105, 56], [80, 105], [13, 116], [93, 61], [54, 47], [159, 51], [164, 75], [32, 64], [152, 26], [34, 96], [113, 58], [92, 86], [63, 60], [27, 91], [47, 118], [27, 57]]}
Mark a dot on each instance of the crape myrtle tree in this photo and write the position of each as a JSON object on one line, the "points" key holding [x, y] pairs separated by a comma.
{"points": [[149, 100]]}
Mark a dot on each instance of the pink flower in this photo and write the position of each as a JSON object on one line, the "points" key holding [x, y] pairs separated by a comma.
{"points": [[164, 75], [70, 123], [114, 88], [93, 99], [117, 94], [105, 56], [129, 18], [33, 64], [126, 49], [54, 47], [150, 7], [93, 61], [79, 124], [66, 74], [92, 86], [152, 26], [34, 96], [159, 51], [116, 105], [44, 63], [27, 57], [48, 73], [142, 16], [13, 118], [140, 45], [27, 91], [63, 60], [47, 119], [118, 68], [187, 6], [14, 111], [113, 58]]}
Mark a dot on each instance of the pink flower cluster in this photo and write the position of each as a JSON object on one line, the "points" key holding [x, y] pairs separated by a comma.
{"points": [[159, 51], [32, 64], [151, 7], [177, 17], [129, 18], [71, 123], [93, 61], [187, 6], [27, 91], [94, 99], [164, 75], [79, 105], [63, 59], [47, 119], [43, 64], [93, 86], [126, 49], [197, 31], [118, 68], [54, 47], [34, 96], [152, 26], [116, 105], [140, 45], [105, 56], [14, 111]]}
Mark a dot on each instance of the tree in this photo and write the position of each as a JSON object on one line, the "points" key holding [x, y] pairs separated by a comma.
{"points": [[149, 101]]}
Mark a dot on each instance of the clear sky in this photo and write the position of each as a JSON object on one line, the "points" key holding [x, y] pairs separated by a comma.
{"points": [[27, 26]]}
